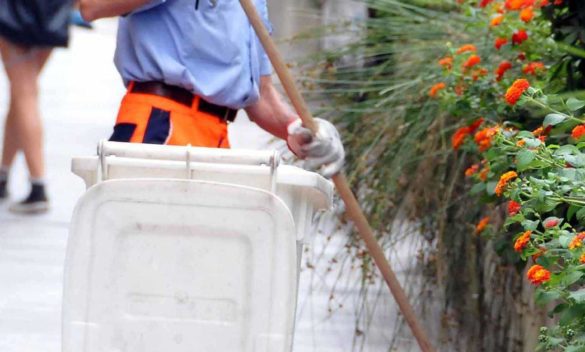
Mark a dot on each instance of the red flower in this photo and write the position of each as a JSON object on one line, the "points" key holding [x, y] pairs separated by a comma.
{"points": [[518, 4], [472, 61], [515, 91], [514, 208], [500, 42], [519, 37], [472, 170], [479, 73], [550, 223], [527, 14], [522, 56], [502, 68], [475, 125], [466, 48], [459, 137], [558, 2], [578, 132], [436, 88], [538, 275], [533, 68], [446, 62], [484, 3]]}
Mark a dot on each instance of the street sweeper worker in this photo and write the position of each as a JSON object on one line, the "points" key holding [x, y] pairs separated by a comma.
{"points": [[189, 66]]}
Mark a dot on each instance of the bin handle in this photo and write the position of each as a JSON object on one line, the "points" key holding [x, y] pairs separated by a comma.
{"points": [[274, 163]]}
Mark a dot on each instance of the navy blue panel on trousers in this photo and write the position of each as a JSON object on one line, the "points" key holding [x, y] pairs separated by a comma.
{"points": [[158, 128], [123, 132]]}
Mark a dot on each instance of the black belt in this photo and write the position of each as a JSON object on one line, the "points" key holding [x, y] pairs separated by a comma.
{"points": [[183, 96]]}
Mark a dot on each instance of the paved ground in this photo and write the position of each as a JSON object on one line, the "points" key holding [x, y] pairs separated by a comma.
{"points": [[81, 91]]}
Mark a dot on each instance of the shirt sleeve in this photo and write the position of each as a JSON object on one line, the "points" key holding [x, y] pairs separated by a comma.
{"points": [[150, 4], [265, 65]]}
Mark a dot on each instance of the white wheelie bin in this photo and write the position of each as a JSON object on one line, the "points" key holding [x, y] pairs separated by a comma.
{"points": [[179, 249]]}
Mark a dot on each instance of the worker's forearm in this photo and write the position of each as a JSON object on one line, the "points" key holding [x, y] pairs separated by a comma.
{"points": [[94, 9], [271, 113]]}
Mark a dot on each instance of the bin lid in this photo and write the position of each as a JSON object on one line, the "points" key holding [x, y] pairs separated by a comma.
{"points": [[179, 266]]}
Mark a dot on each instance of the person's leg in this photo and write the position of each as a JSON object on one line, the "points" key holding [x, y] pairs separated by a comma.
{"points": [[23, 67]]}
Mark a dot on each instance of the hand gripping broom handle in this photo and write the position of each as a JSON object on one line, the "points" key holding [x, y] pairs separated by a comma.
{"points": [[353, 208]]}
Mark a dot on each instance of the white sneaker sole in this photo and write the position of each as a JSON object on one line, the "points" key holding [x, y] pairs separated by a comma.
{"points": [[31, 208]]}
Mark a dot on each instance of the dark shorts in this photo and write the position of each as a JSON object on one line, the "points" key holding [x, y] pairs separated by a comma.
{"points": [[35, 23]]}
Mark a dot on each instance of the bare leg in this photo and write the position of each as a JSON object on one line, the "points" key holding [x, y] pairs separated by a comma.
{"points": [[24, 129]]}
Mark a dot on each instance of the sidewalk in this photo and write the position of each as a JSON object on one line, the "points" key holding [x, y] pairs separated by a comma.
{"points": [[80, 94]]}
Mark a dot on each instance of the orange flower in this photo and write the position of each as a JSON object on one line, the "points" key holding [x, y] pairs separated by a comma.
{"points": [[582, 259], [527, 14], [446, 62], [472, 61], [483, 174], [500, 42], [538, 275], [482, 224], [519, 37], [436, 88], [472, 170], [521, 143], [538, 254], [466, 48], [502, 68], [514, 208], [496, 20], [538, 132], [515, 91], [483, 138], [479, 73], [533, 68], [460, 89], [459, 137], [578, 132], [577, 241], [522, 241], [518, 4], [504, 180]]}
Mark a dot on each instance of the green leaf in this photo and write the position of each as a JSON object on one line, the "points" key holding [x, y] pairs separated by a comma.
{"points": [[530, 224], [575, 160], [565, 240], [578, 296], [575, 349], [544, 297], [571, 278], [581, 215], [553, 119], [570, 315], [524, 158], [575, 104], [491, 188], [572, 211]]}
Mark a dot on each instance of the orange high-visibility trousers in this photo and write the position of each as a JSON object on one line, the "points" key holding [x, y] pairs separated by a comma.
{"points": [[147, 118]]}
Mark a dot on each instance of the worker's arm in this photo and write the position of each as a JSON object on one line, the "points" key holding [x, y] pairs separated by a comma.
{"points": [[95, 9], [323, 152], [271, 113]]}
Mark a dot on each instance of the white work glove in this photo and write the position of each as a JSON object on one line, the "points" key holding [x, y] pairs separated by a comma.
{"points": [[323, 153]]}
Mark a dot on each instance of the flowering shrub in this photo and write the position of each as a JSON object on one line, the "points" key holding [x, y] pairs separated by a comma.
{"points": [[531, 151]]}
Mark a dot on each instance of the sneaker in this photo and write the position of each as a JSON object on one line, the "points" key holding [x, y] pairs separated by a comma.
{"points": [[35, 203], [3, 190]]}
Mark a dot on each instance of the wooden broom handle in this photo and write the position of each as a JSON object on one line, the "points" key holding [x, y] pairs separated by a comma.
{"points": [[353, 208]]}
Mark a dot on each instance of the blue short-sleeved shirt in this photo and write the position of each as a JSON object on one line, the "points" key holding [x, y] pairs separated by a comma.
{"points": [[205, 46]]}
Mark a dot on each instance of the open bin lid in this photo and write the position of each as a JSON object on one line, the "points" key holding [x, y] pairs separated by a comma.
{"points": [[179, 266]]}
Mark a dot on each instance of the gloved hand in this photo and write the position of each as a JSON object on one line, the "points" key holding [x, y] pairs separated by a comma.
{"points": [[323, 153]]}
